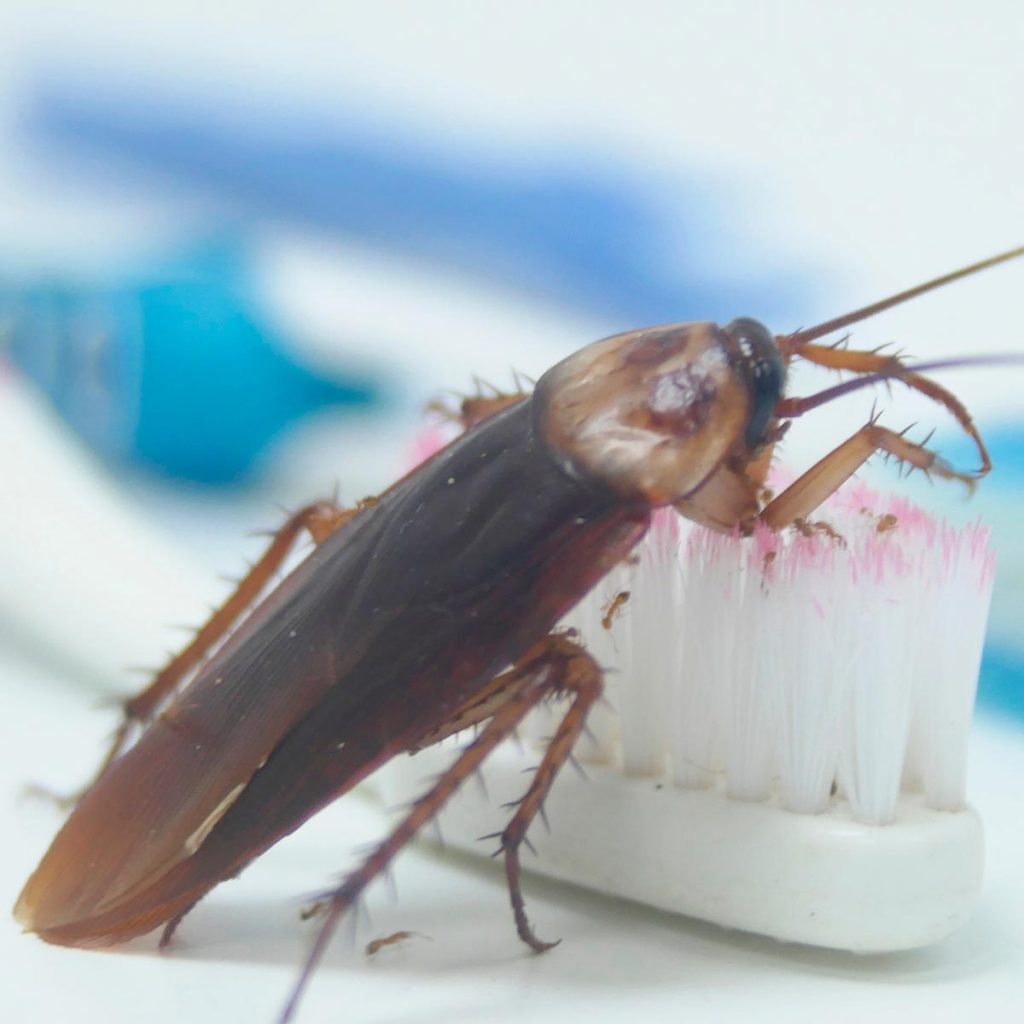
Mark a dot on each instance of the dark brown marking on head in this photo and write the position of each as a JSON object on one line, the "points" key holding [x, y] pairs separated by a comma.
{"points": [[655, 346]]}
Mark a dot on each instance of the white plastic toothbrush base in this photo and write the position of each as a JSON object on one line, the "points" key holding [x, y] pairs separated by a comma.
{"points": [[824, 880]]}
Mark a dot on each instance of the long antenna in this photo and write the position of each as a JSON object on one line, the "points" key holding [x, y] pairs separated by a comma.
{"points": [[798, 338]]}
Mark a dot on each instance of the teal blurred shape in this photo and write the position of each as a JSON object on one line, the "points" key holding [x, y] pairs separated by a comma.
{"points": [[176, 368], [1001, 683]]}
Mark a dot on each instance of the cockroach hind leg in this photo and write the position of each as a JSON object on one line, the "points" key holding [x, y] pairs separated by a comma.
{"points": [[556, 664], [523, 927], [573, 671], [320, 519]]}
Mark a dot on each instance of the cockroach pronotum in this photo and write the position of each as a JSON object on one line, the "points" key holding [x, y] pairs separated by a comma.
{"points": [[434, 607]]}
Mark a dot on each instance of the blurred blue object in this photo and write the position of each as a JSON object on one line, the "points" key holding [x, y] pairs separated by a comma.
{"points": [[567, 226], [174, 368], [1001, 684]]}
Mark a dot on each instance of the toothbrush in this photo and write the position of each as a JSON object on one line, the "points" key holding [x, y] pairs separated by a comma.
{"points": [[183, 366], [783, 748]]}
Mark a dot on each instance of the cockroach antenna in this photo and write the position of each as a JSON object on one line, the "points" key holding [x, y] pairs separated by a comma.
{"points": [[877, 367], [791, 343]]}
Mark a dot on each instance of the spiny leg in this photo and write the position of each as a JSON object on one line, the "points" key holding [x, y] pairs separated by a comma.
{"points": [[575, 672], [892, 367], [320, 519], [333, 904], [552, 665], [569, 669], [478, 709], [485, 402], [806, 493]]}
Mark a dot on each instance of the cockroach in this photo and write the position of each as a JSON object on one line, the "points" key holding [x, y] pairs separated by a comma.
{"points": [[434, 608]]}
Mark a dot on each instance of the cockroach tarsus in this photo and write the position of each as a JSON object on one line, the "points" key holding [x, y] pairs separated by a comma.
{"points": [[433, 608]]}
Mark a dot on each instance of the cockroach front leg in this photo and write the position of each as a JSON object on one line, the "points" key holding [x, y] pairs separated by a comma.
{"points": [[891, 366], [553, 666], [320, 520], [805, 494]]}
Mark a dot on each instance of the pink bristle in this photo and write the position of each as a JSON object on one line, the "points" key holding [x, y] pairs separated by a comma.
{"points": [[427, 442], [743, 604]]}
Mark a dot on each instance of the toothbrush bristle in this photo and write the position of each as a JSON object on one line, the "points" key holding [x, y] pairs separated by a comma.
{"points": [[838, 663], [835, 664]]}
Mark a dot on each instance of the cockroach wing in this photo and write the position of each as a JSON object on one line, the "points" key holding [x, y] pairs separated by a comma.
{"points": [[368, 645]]}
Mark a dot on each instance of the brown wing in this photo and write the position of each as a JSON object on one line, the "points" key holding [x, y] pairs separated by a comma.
{"points": [[367, 646]]}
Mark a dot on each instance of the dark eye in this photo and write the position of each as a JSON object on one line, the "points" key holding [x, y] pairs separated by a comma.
{"points": [[758, 360]]}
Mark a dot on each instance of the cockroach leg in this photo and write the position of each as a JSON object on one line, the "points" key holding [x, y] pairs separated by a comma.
{"points": [[554, 665], [337, 901], [576, 672], [472, 410], [805, 494], [893, 367], [486, 401], [479, 709], [320, 519]]}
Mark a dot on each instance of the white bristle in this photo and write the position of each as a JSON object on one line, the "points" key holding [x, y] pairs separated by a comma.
{"points": [[602, 744], [828, 671], [802, 668], [641, 707], [817, 665]]}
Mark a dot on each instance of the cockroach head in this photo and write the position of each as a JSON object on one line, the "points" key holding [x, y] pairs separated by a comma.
{"points": [[653, 413]]}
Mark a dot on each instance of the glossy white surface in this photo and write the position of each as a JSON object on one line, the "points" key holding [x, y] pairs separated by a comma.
{"points": [[821, 879], [236, 954]]}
